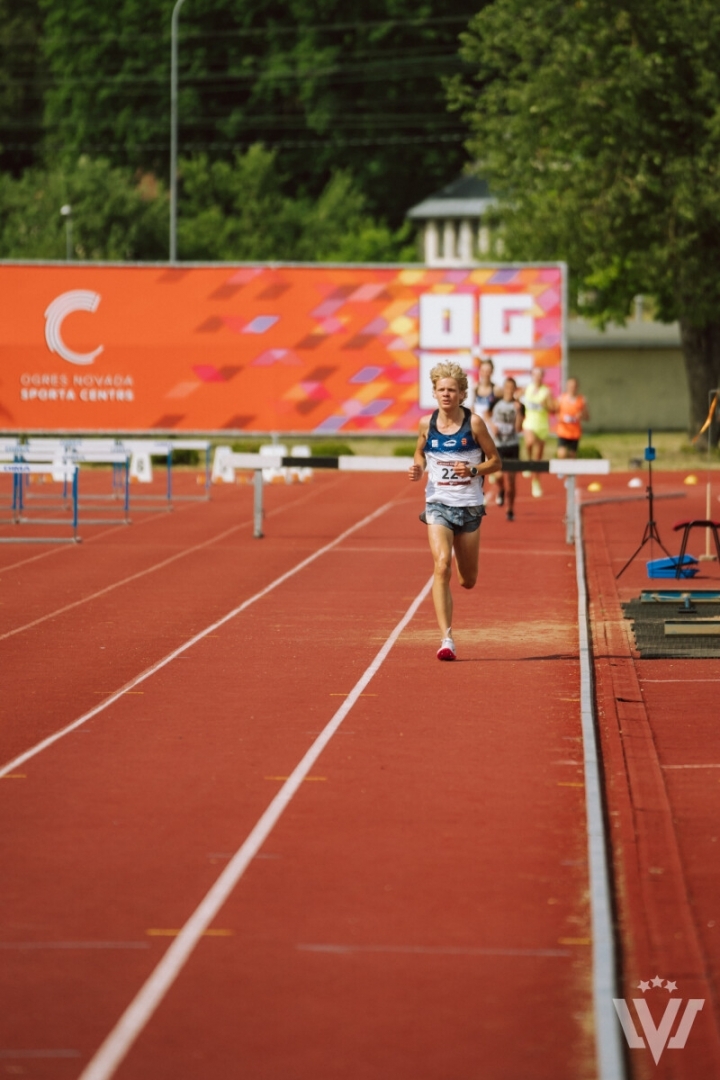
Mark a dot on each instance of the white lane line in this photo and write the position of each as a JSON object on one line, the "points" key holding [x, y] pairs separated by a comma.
{"points": [[141, 573], [34, 946], [430, 950], [141, 1008], [45, 743], [95, 536], [123, 581], [713, 766], [608, 1049], [10, 1054]]}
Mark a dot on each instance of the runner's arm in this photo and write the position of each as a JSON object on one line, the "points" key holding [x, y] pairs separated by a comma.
{"points": [[418, 466], [485, 441]]}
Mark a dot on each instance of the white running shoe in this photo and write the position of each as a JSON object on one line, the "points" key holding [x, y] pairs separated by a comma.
{"points": [[447, 649], [536, 488]]}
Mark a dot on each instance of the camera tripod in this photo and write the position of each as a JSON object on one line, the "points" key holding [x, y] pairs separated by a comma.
{"points": [[651, 529]]}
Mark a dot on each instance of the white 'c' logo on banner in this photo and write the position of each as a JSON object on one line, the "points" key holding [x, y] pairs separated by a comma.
{"points": [[65, 304]]}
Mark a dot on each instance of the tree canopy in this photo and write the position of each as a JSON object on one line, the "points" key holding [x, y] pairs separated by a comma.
{"points": [[287, 108], [229, 210], [330, 85], [598, 122]]}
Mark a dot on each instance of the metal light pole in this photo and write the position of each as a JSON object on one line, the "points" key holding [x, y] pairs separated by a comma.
{"points": [[66, 212], [173, 127]]}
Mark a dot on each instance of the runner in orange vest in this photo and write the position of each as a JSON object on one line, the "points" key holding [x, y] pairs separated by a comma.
{"points": [[572, 410]]}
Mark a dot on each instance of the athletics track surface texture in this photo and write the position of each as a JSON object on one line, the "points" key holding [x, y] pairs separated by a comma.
{"points": [[420, 908], [658, 722]]}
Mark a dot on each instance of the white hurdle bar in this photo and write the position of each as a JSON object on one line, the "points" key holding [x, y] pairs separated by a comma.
{"points": [[63, 472], [136, 448], [55, 464], [257, 462], [570, 468], [567, 468]]}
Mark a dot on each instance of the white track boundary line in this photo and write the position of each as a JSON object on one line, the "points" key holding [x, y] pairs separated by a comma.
{"points": [[140, 573], [608, 1048], [141, 1008], [45, 743], [95, 536], [123, 581]]}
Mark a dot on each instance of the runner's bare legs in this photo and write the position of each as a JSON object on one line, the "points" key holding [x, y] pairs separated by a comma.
{"points": [[467, 550]]}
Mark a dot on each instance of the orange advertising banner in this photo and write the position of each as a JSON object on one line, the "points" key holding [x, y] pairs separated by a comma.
{"points": [[321, 349]]}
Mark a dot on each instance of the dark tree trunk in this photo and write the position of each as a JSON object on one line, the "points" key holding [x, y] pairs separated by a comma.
{"points": [[701, 350]]}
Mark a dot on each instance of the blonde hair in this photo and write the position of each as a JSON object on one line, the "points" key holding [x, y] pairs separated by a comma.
{"points": [[447, 370]]}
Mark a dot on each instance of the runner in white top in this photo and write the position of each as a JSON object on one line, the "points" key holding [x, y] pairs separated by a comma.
{"points": [[459, 452]]}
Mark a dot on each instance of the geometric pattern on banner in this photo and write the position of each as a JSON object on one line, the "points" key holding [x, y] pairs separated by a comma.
{"points": [[263, 348]]}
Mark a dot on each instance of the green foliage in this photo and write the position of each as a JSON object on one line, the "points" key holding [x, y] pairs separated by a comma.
{"points": [[20, 84], [186, 457], [237, 210], [228, 211], [329, 448], [588, 450], [406, 450], [246, 446], [114, 215], [600, 124], [334, 86]]}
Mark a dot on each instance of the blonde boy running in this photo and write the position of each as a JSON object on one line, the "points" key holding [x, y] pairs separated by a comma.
{"points": [[459, 452]]}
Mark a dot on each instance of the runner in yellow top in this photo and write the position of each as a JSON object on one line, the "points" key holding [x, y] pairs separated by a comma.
{"points": [[539, 403]]}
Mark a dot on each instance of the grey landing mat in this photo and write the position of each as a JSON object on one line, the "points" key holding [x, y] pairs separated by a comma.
{"points": [[679, 610]]}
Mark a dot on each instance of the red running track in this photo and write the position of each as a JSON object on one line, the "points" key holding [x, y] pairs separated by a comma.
{"points": [[661, 746], [420, 908]]}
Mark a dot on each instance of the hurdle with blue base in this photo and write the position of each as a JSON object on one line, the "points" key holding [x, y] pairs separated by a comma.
{"points": [[19, 470], [566, 469], [55, 466], [152, 447]]}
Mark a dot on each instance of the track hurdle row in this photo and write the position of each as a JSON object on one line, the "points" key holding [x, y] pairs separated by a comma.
{"points": [[65, 473], [140, 452], [55, 467], [567, 469]]}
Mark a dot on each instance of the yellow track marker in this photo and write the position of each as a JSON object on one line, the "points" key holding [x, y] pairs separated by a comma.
{"points": [[570, 783], [14, 776], [574, 941]]}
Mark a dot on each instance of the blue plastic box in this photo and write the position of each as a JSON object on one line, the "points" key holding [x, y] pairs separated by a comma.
{"points": [[666, 568]]}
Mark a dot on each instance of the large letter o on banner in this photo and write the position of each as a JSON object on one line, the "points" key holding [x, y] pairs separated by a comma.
{"points": [[76, 300]]}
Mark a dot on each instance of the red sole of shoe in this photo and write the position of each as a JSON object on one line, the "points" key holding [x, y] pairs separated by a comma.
{"points": [[445, 654]]}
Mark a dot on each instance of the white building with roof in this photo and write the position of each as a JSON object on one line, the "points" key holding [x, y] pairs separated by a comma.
{"points": [[453, 221], [633, 375]]}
